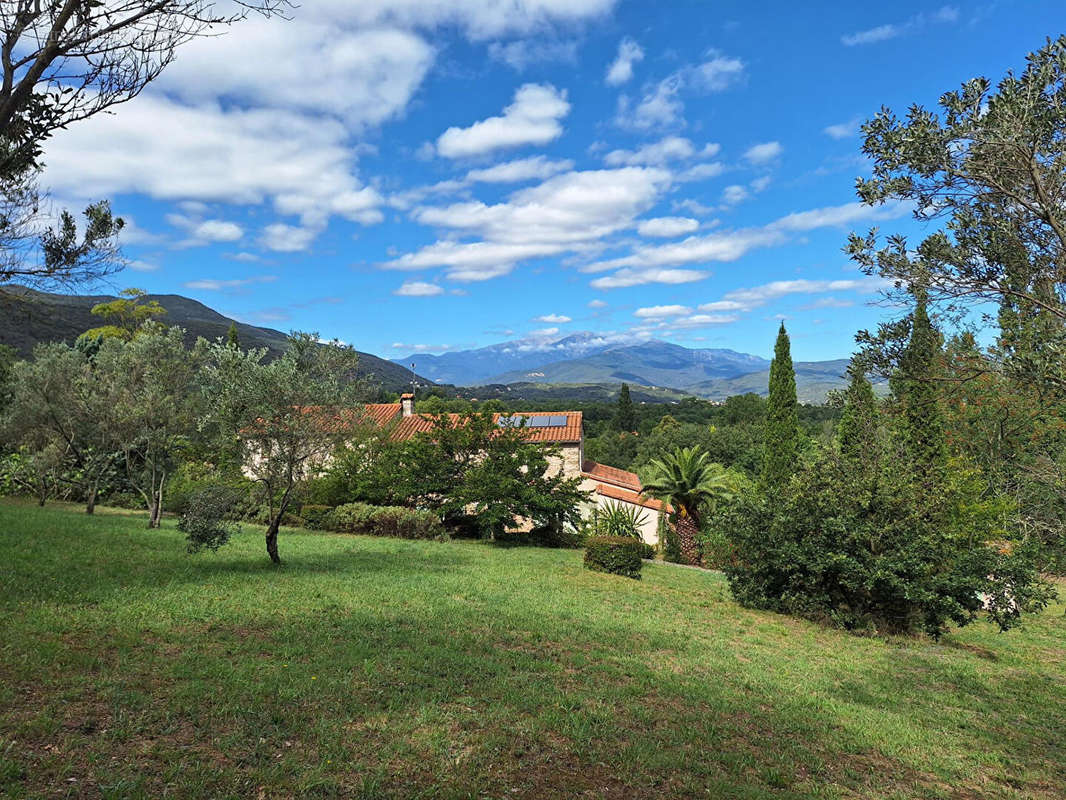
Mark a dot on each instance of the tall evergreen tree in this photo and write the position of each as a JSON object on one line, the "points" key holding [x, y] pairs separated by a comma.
{"points": [[914, 386], [232, 338], [857, 433], [782, 424], [625, 418]]}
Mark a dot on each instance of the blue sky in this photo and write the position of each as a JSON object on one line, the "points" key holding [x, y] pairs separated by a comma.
{"points": [[421, 175]]}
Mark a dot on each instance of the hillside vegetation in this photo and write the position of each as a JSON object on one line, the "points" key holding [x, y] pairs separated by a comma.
{"points": [[384, 668]]}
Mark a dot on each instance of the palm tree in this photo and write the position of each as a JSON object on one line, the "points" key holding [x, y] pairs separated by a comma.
{"points": [[689, 481]]}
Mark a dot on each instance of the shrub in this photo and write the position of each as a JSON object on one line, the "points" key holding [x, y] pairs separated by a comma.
{"points": [[671, 543], [649, 551], [394, 521], [620, 555], [315, 515], [619, 519], [204, 521], [897, 559]]}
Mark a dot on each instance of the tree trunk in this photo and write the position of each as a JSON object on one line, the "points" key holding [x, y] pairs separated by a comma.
{"points": [[272, 539], [90, 502], [686, 536], [153, 514]]}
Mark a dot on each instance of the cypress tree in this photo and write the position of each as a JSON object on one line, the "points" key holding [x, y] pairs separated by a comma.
{"points": [[232, 339], [625, 419], [921, 419], [857, 432], [782, 424]]}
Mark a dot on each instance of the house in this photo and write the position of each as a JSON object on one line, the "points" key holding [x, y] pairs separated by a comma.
{"points": [[564, 431]]}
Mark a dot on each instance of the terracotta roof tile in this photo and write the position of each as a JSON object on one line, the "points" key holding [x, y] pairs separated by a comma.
{"points": [[635, 498], [381, 413], [619, 477], [570, 433]]}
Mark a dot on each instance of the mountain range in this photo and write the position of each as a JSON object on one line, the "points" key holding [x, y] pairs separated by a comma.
{"points": [[28, 317], [582, 366], [586, 360]]}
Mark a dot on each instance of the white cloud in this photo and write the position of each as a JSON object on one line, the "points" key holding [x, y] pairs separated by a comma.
{"points": [[756, 296], [284, 238], [881, 33], [522, 169], [553, 319], [214, 285], [420, 348], [522, 53], [762, 153], [568, 212], [637, 277], [731, 195], [597, 304], [167, 151], [843, 130], [542, 333], [418, 289], [667, 226], [649, 260], [669, 148], [532, 118], [621, 69], [142, 266], [718, 73], [658, 312], [217, 230], [365, 76]]}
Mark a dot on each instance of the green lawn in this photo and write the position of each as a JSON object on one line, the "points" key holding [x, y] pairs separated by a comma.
{"points": [[382, 668]]}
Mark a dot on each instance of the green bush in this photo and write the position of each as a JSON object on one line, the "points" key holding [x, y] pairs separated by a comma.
{"points": [[671, 543], [193, 477], [620, 555], [649, 551], [204, 521], [394, 521], [315, 515]]}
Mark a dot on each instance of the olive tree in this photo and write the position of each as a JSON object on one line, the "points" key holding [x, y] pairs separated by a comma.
{"points": [[151, 382], [287, 416]]}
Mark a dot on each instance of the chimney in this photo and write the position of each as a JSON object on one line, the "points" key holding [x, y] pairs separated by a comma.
{"points": [[407, 404]]}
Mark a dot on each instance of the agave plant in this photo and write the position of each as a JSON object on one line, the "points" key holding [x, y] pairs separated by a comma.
{"points": [[618, 519], [689, 481]]}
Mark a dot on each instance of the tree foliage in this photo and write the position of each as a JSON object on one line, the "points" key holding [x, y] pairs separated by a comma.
{"points": [[782, 424], [286, 416]]}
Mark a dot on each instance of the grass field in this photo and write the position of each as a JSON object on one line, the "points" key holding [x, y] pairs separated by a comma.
{"points": [[381, 668]]}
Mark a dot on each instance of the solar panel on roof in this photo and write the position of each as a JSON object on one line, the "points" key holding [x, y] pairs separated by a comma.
{"points": [[557, 421], [533, 421]]}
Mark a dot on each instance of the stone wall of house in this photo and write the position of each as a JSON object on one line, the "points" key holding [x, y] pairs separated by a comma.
{"points": [[569, 461]]}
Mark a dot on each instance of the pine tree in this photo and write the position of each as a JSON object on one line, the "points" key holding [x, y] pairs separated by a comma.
{"points": [[782, 424], [921, 418], [625, 419], [232, 338]]}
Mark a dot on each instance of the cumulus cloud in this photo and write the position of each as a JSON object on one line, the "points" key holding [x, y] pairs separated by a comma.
{"points": [[169, 151], [750, 298], [647, 262], [762, 153], [669, 148], [531, 119], [621, 69], [597, 304], [553, 319], [568, 212], [418, 289], [667, 227], [284, 238], [731, 195], [624, 278]]}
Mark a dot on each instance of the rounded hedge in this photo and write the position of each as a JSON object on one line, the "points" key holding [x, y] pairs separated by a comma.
{"points": [[620, 555]]}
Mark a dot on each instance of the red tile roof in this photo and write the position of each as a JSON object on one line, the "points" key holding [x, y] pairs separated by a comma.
{"points": [[381, 413], [570, 433], [625, 496], [619, 477]]}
